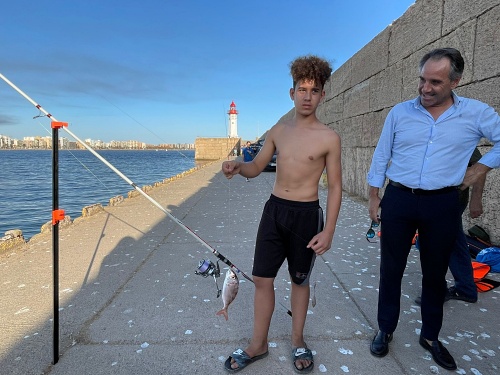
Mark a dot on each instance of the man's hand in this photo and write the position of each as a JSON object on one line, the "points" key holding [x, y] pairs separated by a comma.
{"points": [[477, 172], [374, 204], [230, 168], [476, 198], [475, 209]]}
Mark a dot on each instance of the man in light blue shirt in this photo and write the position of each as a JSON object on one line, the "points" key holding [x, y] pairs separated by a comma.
{"points": [[423, 150]]}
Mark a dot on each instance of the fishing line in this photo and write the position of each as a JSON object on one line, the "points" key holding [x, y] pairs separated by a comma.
{"points": [[131, 183], [129, 116], [76, 158]]}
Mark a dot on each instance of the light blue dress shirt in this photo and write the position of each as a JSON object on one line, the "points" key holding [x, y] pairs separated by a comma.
{"points": [[422, 153]]}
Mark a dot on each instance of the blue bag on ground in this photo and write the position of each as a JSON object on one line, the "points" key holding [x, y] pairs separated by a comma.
{"points": [[491, 257]]}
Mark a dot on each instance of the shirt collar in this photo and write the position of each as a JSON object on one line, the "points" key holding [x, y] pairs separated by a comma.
{"points": [[456, 101]]}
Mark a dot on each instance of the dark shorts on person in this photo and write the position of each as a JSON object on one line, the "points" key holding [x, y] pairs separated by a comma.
{"points": [[285, 229]]}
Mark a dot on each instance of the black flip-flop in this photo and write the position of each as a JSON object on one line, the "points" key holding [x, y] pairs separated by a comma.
{"points": [[302, 353], [242, 359]]}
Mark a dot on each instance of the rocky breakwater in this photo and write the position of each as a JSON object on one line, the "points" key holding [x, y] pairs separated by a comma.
{"points": [[14, 238]]}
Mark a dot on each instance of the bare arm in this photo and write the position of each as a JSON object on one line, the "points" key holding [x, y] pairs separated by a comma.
{"points": [[373, 203], [252, 168], [323, 240], [476, 198], [473, 174]]}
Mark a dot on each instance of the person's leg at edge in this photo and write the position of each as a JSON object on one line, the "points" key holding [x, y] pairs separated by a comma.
{"points": [[263, 312], [437, 237], [299, 302], [398, 229], [461, 267]]}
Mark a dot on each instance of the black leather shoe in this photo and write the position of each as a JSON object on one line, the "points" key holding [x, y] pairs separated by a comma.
{"points": [[439, 353], [380, 344], [453, 293]]}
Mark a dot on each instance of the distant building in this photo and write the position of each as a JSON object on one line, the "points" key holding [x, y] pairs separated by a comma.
{"points": [[45, 143]]}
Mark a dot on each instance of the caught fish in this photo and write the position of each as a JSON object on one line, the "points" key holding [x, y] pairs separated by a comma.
{"points": [[229, 291], [313, 300]]}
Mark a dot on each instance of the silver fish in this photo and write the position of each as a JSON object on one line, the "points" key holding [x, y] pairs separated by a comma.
{"points": [[229, 291], [313, 300]]}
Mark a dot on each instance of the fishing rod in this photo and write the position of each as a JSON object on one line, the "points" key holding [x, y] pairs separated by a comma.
{"points": [[205, 267], [131, 183]]}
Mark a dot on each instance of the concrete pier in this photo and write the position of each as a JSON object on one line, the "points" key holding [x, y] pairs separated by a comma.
{"points": [[130, 302]]}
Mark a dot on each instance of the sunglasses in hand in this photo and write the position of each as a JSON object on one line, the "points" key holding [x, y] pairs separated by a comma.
{"points": [[370, 234]]}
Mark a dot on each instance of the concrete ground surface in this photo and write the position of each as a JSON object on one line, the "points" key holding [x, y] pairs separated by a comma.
{"points": [[131, 303]]}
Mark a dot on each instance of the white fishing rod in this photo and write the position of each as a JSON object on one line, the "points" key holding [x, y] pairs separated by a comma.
{"points": [[206, 267], [130, 182]]}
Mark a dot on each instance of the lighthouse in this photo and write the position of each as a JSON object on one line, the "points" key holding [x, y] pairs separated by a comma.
{"points": [[233, 121]]}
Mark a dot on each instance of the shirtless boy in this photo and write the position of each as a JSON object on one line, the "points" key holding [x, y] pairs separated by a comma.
{"points": [[292, 224]]}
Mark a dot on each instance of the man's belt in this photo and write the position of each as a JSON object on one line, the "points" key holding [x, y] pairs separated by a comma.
{"points": [[422, 191]]}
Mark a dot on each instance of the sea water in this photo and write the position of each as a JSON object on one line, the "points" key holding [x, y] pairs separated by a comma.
{"points": [[26, 181]]}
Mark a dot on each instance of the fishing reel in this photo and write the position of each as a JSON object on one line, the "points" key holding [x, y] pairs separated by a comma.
{"points": [[207, 268]]}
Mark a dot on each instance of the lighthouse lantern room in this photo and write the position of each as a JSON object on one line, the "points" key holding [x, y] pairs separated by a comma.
{"points": [[233, 121]]}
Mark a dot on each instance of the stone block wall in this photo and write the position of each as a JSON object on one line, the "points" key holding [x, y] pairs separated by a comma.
{"points": [[216, 148], [361, 92]]}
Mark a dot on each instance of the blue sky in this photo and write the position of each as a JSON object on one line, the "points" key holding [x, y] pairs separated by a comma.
{"points": [[161, 71]]}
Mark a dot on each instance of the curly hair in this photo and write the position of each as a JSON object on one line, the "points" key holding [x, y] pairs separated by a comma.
{"points": [[310, 68]]}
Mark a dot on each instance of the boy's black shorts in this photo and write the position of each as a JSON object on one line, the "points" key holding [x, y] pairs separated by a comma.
{"points": [[285, 229]]}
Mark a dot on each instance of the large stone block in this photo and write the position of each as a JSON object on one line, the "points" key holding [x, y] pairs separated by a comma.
{"points": [[340, 80], [385, 87], [457, 12], [485, 91], [116, 200], [487, 51], [92, 210], [419, 26], [47, 227], [373, 123], [10, 243], [342, 127], [365, 157], [215, 148], [375, 53], [321, 113], [462, 39], [410, 74], [357, 100], [363, 160], [331, 111], [352, 130], [349, 169], [329, 89]]}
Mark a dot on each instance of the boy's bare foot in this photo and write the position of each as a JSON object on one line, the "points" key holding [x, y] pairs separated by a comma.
{"points": [[302, 360], [239, 359]]}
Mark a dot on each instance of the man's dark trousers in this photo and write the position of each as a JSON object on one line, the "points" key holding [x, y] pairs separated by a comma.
{"points": [[437, 219]]}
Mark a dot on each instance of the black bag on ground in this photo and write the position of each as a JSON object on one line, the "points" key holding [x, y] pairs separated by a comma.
{"points": [[479, 233], [475, 245]]}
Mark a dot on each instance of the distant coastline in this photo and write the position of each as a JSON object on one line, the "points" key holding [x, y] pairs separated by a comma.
{"points": [[98, 149], [26, 187]]}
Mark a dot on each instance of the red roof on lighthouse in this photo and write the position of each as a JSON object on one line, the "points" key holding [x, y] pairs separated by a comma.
{"points": [[232, 109]]}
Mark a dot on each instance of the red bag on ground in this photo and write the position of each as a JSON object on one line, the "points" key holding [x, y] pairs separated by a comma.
{"points": [[479, 271]]}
